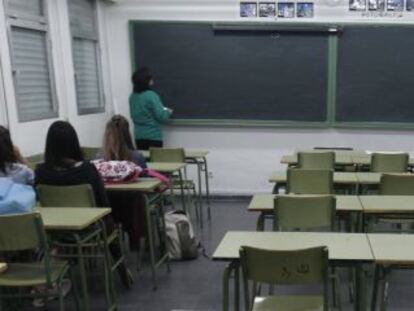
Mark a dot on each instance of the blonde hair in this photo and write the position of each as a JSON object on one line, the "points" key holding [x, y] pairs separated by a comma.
{"points": [[117, 140]]}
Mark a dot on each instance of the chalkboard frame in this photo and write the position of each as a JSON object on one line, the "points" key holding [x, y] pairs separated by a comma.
{"points": [[333, 42], [286, 27]]}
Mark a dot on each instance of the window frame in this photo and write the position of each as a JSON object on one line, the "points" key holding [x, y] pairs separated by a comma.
{"points": [[98, 58], [15, 19]]}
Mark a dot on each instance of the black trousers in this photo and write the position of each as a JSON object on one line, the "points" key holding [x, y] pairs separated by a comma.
{"points": [[145, 144]]}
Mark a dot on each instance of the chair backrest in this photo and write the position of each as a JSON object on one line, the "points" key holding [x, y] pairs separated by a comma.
{"points": [[389, 162], [397, 184], [90, 152], [316, 160], [167, 155], [304, 212], [293, 267], [301, 181], [21, 232], [66, 196]]}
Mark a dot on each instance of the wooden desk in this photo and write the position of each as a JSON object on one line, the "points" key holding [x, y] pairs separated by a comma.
{"points": [[339, 178], [147, 187], [387, 204], [264, 203], [142, 185], [344, 248], [68, 218], [391, 251], [365, 160], [71, 222]]}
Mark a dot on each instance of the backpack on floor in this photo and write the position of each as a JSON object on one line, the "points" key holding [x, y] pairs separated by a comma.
{"points": [[181, 241]]}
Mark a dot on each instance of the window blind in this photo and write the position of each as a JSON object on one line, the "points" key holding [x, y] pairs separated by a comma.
{"points": [[26, 7], [85, 53]]}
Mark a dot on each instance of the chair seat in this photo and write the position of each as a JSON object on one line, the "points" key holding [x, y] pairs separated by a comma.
{"points": [[288, 303], [31, 274]]}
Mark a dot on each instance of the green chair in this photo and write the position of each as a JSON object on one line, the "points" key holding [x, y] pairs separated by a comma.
{"points": [[82, 196], [397, 184], [288, 268], [34, 160], [177, 155], [316, 160], [304, 181], [90, 152], [304, 212], [22, 233], [389, 162]]}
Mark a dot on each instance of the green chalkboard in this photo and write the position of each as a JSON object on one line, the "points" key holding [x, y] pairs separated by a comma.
{"points": [[210, 73], [376, 74]]}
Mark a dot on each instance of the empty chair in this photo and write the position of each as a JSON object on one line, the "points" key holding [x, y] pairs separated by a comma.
{"points": [[22, 233], [304, 212], [66, 196], [303, 181], [293, 267], [175, 155], [316, 160], [397, 184], [389, 162], [90, 152]]}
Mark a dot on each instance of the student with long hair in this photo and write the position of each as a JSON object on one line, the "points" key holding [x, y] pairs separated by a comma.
{"points": [[12, 164], [118, 143], [127, 207], [147, 111], [65, 165]]}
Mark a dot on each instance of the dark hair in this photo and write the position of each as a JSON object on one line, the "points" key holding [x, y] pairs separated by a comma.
{"points": [[7, 154], [141, 80], [117, 140], [62, 145]]}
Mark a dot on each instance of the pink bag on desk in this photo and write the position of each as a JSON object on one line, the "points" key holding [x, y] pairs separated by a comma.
{"points": [[115, 172], [164, 179]]}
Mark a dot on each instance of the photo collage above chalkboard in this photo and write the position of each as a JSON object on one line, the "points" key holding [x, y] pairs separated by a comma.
{"points": [[277, 9]]}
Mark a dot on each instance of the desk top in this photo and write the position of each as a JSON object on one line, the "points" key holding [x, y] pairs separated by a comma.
{"points": [[342, 246], [365, 159], [264, 203], [368, 178], [142, 185], [387, 203], [392, 248], [166, 167], [339, 177], [189, 153], [71, 218], [340, 159]]}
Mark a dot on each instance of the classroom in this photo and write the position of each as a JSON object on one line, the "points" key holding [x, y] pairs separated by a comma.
{"points": [[257, 106]]}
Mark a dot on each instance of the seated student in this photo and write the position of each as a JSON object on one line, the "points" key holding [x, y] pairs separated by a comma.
{"points": [[12, 164], [127, 207], [118, 143], [64, 165]]}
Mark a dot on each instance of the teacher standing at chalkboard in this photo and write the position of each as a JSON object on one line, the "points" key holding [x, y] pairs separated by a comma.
{"points": [[147, 111]]}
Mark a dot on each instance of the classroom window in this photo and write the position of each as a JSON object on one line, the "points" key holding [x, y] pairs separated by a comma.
{"points": [[31, 59], [86, 56]]}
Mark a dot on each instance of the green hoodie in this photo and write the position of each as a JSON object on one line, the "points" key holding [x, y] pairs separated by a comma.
{"points": [[147, 113]]}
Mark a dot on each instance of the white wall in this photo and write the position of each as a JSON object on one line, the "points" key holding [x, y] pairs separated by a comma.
{"points": [[30, 136], [240, 159]]}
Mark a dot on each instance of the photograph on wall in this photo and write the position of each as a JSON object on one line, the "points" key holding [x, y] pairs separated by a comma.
{"points": [[267, 9], [357, 5], [376, 5], [285, 10], [304, 9], [410, 5], [248, 9], [395, 5]]}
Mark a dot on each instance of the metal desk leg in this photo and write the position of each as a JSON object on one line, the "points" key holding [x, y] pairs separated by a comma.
{"points": [[237, 287], [226, 284], [375, 288], [150, 240], [82, 272], [200, 194], [180, 173], [360, 294], [207, 187]]}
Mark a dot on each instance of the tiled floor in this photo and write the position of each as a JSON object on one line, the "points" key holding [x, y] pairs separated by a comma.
{"points": [[196, 285]]}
